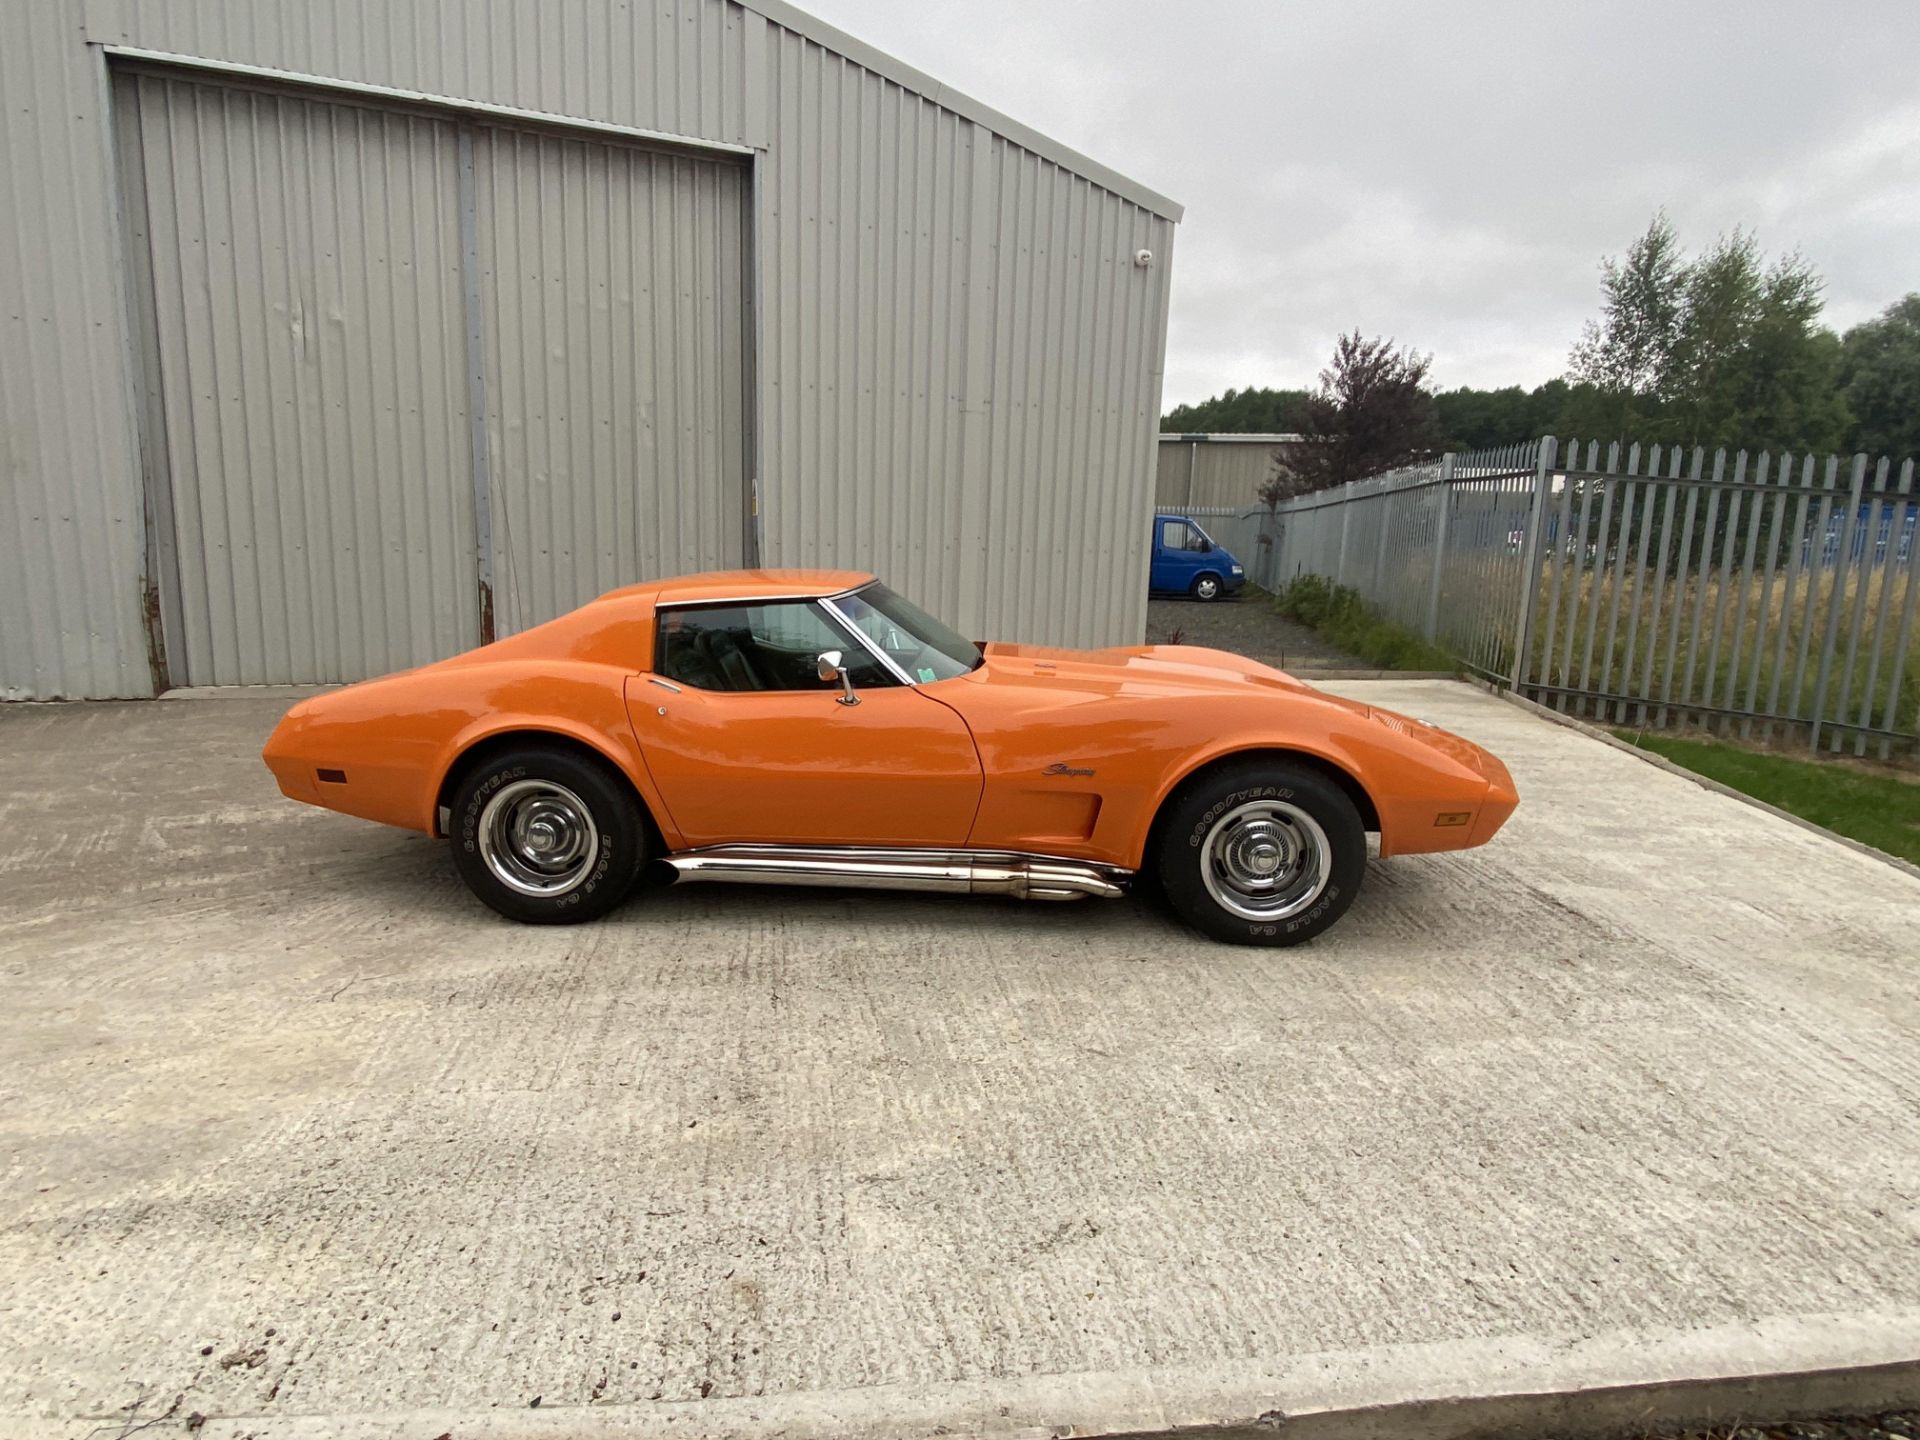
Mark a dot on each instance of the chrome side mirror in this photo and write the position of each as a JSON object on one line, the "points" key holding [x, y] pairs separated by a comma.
{"points": [[828, 667]]}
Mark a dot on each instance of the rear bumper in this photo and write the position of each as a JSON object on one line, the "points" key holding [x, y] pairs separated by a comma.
{"points": [[325, 765]]}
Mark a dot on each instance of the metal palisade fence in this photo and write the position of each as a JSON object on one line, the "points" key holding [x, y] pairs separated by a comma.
{"points": [[1755, 594]]}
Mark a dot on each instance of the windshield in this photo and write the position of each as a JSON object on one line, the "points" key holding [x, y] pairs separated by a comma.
{"points": [[919, 644]]}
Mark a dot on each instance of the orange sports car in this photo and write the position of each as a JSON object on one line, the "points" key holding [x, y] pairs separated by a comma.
{"points": [[811, 727]]}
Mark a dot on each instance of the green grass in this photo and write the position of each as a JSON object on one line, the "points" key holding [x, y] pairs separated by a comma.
{"points": [[1340, 617], [1879, 810]]}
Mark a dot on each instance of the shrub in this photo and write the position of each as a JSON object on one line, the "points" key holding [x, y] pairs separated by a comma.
{"points": [[1342, 618]]}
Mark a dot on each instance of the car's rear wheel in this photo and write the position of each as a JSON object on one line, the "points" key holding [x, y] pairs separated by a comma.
{"points": [[1206, 587], [546, 836], [1261, 853]]}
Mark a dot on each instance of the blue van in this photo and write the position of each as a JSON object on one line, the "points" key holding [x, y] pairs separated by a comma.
{"points": [[1187, 562]]}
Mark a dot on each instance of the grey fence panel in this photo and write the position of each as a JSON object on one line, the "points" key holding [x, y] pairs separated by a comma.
{"points": [[1648, 497], [1758, 501], [1663, 586], [1776, 504], [1904, 638], [1488, 573], [1793, 581]]}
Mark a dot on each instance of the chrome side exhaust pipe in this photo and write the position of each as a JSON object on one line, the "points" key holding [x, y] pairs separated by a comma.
{"points": [[955, 872]]}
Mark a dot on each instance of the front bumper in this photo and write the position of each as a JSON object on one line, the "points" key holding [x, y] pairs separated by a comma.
{"points": [[1447, 813], [1503, 798]]}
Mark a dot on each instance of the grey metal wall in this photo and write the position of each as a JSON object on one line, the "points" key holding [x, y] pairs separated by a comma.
{"points": [[957, 367], [1214, 471], [965, 364], [70, 514]]}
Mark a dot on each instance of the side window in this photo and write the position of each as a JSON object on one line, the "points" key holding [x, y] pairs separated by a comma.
{"points": [[1173, 535], [758, 647]]}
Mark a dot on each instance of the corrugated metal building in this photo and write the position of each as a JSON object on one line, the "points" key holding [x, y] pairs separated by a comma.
{"points": [[331, 328], [1216, 471]]}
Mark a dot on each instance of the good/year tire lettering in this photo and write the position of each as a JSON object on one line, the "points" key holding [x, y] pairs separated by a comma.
{"points": [[574, 800], [1261, 851]]}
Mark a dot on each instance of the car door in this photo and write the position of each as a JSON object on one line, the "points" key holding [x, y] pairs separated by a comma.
{"points": [[1159, 575], [1174, 564], [746, 744]]}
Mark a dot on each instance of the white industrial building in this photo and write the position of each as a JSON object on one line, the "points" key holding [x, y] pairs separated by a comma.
{"points": [[336, 337], [1218, 471]]}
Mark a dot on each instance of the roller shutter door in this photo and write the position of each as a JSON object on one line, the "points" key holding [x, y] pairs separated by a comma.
{"points": [[309, 278]]}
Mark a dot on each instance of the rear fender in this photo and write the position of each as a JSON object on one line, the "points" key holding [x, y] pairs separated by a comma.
{"points": [[583, 703]]}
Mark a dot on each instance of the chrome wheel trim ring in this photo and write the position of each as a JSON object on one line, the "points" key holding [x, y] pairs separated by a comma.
{"points": [[538, 838], [1266, 860]]}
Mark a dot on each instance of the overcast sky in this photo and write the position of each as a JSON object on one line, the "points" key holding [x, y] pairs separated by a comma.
{"points": [[1450, 174]]}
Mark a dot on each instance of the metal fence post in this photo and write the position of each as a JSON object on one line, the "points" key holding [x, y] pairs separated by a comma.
{"points": [[1384, 500], [1836, 600], [1346, 517], [1530, 557], [1440, 546]]}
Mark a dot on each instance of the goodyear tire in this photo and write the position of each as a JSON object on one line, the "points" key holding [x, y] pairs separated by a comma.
{"points": [[1261, 853], [1206, 587], [546, 836]]}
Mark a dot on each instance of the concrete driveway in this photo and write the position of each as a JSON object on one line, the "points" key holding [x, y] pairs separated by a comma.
{"points": [[300, 1138]]}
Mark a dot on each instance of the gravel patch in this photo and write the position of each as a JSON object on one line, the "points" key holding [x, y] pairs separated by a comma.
{"points": [[1901, 1426], [1248, 625]]}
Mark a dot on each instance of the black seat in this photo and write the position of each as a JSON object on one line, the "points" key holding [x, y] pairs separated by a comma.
{"points": [[722, 649], [686, 662]]}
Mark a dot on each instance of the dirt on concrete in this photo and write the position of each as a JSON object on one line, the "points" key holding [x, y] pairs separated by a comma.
{"points": [[1246, 624]]}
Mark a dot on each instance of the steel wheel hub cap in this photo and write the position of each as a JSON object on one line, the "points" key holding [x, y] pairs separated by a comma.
{"points": [[538, 838], [1266, 860]]}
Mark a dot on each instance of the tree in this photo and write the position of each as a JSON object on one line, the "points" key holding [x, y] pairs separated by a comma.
{"points": [[1880, 379], [1371, 413], [1626, 355], [1751, 364], [1252, 411], [1284, 481], [1719, 350], [1472, 419]]}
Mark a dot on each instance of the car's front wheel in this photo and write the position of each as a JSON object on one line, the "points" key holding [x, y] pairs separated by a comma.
{"points": [[546, 836], [1206, 587], [1262, 853]]}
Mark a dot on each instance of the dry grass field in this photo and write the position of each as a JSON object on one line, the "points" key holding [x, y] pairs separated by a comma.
{"points": [[1720, 648]]}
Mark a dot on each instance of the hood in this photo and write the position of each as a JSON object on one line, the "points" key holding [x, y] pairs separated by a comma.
{"points": [[1143, 670]]}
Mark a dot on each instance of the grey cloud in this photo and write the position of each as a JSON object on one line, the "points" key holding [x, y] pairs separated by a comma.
{"points": [[1451, 174]]}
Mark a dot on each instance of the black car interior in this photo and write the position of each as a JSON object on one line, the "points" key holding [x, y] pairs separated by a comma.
{"points": [[750, 648]]}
